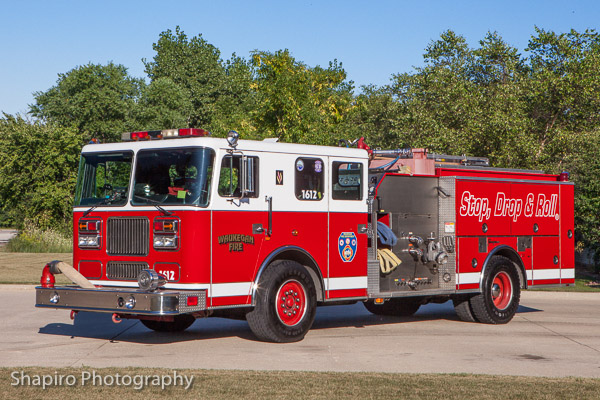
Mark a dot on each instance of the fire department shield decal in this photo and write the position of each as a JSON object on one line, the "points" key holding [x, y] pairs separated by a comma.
{"points": [[347, 246]]}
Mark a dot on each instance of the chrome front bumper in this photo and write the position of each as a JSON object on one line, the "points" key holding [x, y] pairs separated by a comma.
{"points": [[119, 300]]}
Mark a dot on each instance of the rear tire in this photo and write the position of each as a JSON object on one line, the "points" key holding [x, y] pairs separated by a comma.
{"points": [[394, 307], [179, 324], [463, 309], [285, 303], [501, 292]]}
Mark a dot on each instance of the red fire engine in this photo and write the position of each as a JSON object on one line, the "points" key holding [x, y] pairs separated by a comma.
{"points": [[167, 231]]}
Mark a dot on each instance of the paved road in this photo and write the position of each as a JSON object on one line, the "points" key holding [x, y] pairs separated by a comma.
{"points": [[553, 334], [6, 235]]}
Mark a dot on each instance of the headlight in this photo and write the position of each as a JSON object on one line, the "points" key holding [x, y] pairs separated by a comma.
{"points": [[89, 241], [169, 242], [89, 231], [166, 233]]}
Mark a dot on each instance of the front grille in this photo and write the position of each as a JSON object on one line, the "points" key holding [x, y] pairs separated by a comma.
{"points": [[124, 269], [128, 236]]}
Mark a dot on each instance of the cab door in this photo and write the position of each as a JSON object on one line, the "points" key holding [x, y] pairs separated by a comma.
{"points": [[302, 218], [239, 210], [348, 216]]}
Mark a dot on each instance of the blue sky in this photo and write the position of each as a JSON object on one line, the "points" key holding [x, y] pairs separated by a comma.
{"points": [[373, 39]]}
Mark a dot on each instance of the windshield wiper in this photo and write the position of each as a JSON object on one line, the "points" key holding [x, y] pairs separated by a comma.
{"points": [[98, 204], [155, 204]]}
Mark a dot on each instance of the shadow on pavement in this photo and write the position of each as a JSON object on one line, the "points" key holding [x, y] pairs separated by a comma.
{"points": [[523, 310], [100, 326]]}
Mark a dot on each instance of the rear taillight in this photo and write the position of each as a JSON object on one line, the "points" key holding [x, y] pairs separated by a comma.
{"points": [[89, 233], [166, 233]]}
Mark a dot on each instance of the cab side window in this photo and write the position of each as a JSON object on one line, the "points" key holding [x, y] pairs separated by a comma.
{"points": [[309, 179], [347, 182], [231, 180]]}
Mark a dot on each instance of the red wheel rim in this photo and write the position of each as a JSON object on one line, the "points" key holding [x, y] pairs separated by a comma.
{"points": [[291, 302], [502, 290]]}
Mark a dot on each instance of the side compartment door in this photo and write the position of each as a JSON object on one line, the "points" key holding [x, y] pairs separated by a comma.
{"points": [[239, 209], [539, 220], [348, 217], [567, 237]]}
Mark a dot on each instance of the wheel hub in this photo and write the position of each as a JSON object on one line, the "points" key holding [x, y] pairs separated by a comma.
{"points": [[291, 302], [495, 290], [502, 290]]}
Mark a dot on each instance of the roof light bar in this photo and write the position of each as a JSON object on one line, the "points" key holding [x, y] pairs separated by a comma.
{"points": [[164, 134]]}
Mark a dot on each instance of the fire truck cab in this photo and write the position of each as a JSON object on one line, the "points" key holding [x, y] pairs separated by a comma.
{"points": [[167, 231]]}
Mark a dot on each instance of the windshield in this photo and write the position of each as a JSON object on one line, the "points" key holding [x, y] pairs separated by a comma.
{"points": [[173, 176], [103, 179]]}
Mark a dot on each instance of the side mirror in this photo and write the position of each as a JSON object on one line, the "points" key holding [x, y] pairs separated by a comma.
{"points": [[247, 176]]}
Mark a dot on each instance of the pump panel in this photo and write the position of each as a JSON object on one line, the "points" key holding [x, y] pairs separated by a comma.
{"points": [[410, 206]]}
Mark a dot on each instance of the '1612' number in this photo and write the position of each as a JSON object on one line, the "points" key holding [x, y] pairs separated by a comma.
{"points": [[170, 275], [309, 195]]}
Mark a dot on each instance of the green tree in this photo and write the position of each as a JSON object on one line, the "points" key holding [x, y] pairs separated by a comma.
{"points": [[38, 168], [584, 166], [196, 67], [495, 62], [563, 91], [163, 105], [236, 108], [375, 117], [537, 112], [504, 127], [95, 99], [439, 103], [469, 101], [297, 103]]}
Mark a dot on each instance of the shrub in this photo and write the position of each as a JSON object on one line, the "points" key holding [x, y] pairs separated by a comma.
{"points": [[36, 240]]}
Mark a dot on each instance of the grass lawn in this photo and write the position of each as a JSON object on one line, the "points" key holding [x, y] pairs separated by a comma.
{"points": [[260, 385], [26, 268], [585, 281], [581, 285]]}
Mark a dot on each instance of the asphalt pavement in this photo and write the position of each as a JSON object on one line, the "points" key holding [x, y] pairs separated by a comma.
{"points": [[553, 334]]}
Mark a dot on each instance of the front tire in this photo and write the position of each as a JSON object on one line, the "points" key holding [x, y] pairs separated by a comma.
{"points": [[394, 307], [180, 323], [285, 303], [501, 293]]}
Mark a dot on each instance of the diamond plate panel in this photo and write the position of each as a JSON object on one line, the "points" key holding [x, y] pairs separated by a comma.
{"points": [[372, 262], [184, 308], [447, 213]]}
